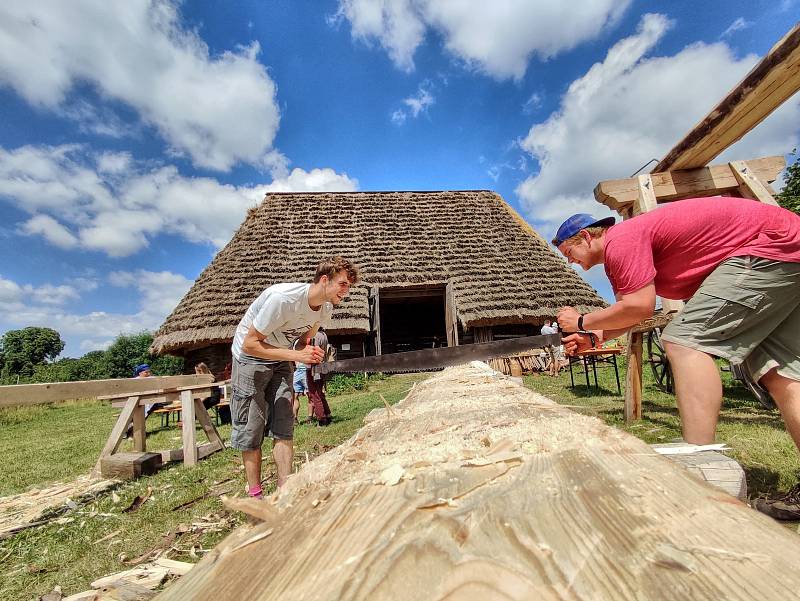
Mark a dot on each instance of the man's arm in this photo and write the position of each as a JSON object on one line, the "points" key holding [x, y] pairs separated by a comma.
{"points": [[255, 346], [629, 310]]}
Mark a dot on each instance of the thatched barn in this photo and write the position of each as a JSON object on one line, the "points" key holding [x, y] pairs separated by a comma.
{"points": [[438, 268]]}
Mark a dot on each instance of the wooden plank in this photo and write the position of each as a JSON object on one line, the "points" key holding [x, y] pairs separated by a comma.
{"points": [[633, 377], [117, 433], [772, 81], [207, 425], [129, 466], [36, 394], [139, 429], [451, 316], [478, 488], [620, 194], [189, 439], [750, 185], [168, 397], [203, 450]]}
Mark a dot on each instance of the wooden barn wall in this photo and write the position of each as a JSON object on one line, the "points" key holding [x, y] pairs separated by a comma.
{"points": [[216, 356]]}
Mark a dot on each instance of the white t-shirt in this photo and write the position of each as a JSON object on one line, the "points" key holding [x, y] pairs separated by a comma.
{"points": [[549, 330], [282, 314]]}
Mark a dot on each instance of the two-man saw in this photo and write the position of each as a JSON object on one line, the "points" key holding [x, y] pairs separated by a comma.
{"points": [[435, 358]]}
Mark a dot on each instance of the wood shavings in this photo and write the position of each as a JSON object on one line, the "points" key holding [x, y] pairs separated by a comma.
{"points": [[671, 557], [392, 475], [493, 458], [249, 541], [257, 508]]}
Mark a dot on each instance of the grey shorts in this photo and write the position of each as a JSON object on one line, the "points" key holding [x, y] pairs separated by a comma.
{"points": [[746, 311], [261, 403]]}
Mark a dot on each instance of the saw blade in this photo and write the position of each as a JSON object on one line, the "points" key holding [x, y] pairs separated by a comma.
{"points": [[436, 358]]}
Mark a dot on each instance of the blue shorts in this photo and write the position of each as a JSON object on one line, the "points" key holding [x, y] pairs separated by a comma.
{"points": [[299, 382]]}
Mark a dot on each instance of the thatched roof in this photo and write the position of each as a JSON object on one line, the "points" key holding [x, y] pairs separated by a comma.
{"points": [[500, 269]]}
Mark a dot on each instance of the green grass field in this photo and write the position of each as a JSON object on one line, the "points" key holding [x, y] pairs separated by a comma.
{"points": [[58, 442]]}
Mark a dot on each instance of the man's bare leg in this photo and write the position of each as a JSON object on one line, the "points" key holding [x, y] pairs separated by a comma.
{"points": [[282, 452], [698, 390], [786, 393], [252, 468]]}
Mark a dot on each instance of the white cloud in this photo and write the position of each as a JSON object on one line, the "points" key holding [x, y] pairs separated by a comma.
{"points": [[26, 305], [218, 110], [110, 203], [415, 105], [497, 38], [51, 230], [738, 25], [629, 109], [533, 103]]}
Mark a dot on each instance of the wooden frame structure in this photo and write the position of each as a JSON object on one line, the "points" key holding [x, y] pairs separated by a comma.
{"points": [[133, 410], [683, 173]]}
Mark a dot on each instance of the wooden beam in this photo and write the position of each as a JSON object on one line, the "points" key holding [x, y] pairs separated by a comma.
{"points": [[36, 394], [117, 433], [621, 194], [646, 197], [477, 488], [771, 82], [633, 378], [189, 438], [750, 185]]}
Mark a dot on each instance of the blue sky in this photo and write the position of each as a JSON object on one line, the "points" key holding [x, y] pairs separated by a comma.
{"points": [[135, 135]]}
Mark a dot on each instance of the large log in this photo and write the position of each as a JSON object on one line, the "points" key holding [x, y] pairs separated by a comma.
{"points": [[477, 488]]}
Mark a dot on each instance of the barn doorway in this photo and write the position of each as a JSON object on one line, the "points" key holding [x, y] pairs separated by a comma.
{"points": [[411, 319]]}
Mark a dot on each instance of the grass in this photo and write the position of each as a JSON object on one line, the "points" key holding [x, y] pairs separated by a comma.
{"points": [[59, 442], [758, 439]]}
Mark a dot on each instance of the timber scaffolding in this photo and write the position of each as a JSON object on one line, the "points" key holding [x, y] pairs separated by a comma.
{"points": [[684, 173], [474, 487]]}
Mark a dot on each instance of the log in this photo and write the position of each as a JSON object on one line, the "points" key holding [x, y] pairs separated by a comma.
{"points": [[129, 466], [477, 488]]}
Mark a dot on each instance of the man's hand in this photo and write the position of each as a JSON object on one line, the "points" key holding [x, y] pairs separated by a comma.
{"points": [[568, 319], [310, 354], [577, 343]]}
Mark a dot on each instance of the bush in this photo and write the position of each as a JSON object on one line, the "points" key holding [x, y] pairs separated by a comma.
{"points": [[345, 383]]}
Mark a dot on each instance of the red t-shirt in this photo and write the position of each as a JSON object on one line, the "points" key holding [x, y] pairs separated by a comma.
{"points": [[680, 243]]}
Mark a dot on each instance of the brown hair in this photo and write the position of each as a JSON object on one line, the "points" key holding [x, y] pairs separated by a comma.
{"points": [[595, 232], [333, 265], [201, 368]]}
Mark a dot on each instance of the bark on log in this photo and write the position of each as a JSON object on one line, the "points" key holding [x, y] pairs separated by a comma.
{"points": [[477, 488]]}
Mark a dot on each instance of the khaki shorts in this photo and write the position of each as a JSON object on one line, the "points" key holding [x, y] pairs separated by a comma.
{"points": [[746, 311], [261, 403]]}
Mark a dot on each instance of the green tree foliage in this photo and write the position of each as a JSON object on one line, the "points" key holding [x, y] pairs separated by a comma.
{"points": [[789, 197], [128, 351], [24, 349]]}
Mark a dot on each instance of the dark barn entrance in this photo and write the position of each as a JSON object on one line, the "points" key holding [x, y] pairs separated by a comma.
{"points": [[412, 319]]}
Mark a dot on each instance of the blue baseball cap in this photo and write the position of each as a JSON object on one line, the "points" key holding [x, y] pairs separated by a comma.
{"points": [[140, 368], [578, 222]]}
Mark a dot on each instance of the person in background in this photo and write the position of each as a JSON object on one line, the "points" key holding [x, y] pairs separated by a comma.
{"points": [[299, 388], [143, 371], [320, 411], [216, 395]]}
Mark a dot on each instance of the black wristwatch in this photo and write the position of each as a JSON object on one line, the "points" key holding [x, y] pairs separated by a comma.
{"points": [[580, 323]]}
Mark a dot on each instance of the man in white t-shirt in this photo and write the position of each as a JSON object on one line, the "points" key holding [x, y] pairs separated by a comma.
{"points": [[275, 331]]}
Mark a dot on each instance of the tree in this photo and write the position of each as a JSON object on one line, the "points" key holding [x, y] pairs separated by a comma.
{"points": [[23, 349], [128, 351], [789, 197]]}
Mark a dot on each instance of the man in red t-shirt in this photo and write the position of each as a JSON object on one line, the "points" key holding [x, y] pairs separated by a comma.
{"points": [[737, 263]]}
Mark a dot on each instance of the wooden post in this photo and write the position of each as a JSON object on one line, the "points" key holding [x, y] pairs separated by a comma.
{"points": [[376, 317], [117, 433], [646, 201], [633, 377], [749, 185], [450, 316], [139, 429], [208, 426], [189, 440]]}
